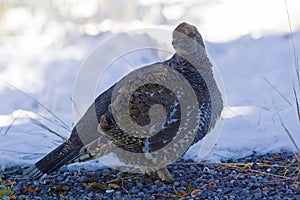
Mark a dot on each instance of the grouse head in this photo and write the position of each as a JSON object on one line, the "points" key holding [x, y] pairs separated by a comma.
{"points": [[187, 39]]}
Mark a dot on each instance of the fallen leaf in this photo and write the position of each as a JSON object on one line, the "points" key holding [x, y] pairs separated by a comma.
{"points": [[64, 188], [196, 192], [98, 186], [212, 184], [12, 198], [277, 158], [268, 162], [62, 195], [181, 193], [9, 182], [30, 188], [265, 190], [247, 167], [114, 185]]}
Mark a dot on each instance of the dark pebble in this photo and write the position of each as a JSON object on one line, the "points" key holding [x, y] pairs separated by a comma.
{"points": [[83, 179], [297, 191], [176, 183], [64, 169], [254, 166]]}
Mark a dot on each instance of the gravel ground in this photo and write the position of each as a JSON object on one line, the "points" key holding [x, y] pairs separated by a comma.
{"points": [[270, 176]]}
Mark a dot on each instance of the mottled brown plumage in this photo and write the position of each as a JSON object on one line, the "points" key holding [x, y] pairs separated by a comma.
{"points": [[105, 136]]}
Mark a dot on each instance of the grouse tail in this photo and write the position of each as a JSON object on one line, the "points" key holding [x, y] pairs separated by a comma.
{"points": [[60, 156]]}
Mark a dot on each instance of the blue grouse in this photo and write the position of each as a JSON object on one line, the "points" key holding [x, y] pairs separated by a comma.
{"points": [[97, 133]]}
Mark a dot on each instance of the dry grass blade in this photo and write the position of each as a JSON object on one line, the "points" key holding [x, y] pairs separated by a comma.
{"points": [[9, 127], [298, 78], [38, 123], [298, 113], [297, 103], [280, 93], [290, 136], [42, 116], [271, 174], [22, 152], [293, 141], [75, 106], [293, 43], [62, 123]]}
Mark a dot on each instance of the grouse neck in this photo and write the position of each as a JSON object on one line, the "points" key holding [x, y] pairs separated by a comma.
{"points": [[197, 57]]}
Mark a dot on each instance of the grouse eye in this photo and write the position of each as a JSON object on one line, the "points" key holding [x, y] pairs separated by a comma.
{"points": [[192, 34]]}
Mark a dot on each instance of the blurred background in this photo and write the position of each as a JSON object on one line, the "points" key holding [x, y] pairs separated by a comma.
{"points": [[43, 43]]}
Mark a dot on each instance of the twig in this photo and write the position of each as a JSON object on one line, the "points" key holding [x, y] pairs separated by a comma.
{"points": [[127, 191], [279, 180], [116, 180], [236, 164], [270, 174], [165, 195]]}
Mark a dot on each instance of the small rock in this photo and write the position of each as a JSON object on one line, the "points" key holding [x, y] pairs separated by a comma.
{"points": [[297, 190], [21, 197], [88, 188], [60, 178], [227, 190], [254, 166], [83, 179], [176, 183], [105, 172], [134, 190], [180, 189], [109, 191], [141, 194], [64, 169], [206, 170]]}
